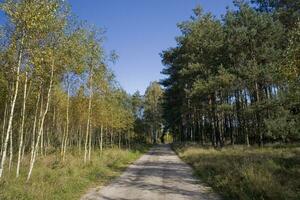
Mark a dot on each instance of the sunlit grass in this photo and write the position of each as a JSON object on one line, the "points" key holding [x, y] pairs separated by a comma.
{"points": [[247, 173], [53, 179]]}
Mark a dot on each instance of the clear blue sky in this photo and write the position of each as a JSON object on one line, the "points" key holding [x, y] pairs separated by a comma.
{"points": [[139, 30]]}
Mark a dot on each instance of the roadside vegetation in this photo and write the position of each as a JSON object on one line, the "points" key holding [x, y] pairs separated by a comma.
{"points": [[54, 179], [245, 173]]}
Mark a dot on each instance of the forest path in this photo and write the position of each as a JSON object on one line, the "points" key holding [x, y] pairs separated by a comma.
{"points": [[157, 175]]}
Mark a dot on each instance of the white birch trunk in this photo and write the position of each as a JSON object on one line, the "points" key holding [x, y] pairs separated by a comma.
{"points": [[89, 116], [3, 128], [90, 142], [10, 151], [101, 138], [41, 124], [22, 127], [34, 126], [12, 109], [67, 121]]}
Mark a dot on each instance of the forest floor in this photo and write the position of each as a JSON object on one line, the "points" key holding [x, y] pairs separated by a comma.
{"points": [[157, 175], [239, 172], [53, 179]]}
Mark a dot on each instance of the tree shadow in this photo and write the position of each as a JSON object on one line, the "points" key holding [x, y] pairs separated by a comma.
{"points": [[157, 175]]}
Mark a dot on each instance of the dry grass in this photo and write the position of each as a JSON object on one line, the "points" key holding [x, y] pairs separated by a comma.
{"points": [[53, 179], [247, 173]]}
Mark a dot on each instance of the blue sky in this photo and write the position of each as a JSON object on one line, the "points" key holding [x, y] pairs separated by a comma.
{"points": [[139, 30]]}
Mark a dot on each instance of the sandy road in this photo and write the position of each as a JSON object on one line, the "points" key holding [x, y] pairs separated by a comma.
{"points": [[157, 175]]}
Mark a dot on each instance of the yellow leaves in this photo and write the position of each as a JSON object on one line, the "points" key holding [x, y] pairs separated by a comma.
{"points": [[50, 41], [34, 17]]}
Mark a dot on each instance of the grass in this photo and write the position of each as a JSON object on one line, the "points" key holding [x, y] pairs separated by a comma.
{"points": [[53, 179], [246, 173]]}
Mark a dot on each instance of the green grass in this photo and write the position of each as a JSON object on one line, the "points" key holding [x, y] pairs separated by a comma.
{"points": [[246, 173], [53, 179]]}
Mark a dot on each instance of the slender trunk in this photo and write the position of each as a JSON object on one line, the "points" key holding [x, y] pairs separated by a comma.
{"points": [[245, 126], [111, 138], [119, 135], [3, 127], [129, 146], [106, 137], [12, 109], [34, 126], [42, 122], [22, 126], [258, 116], [48, 139], [10, 151], [90, 143], [54, 121], [126, 139], [63, 141], [79, 138], [101, 138], [89, 115], [231, 130], [212, 119], [41, 113], [42, 141], [67, 120], [23, 148], [86, 142]]}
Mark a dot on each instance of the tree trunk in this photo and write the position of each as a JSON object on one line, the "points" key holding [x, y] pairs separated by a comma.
{"points": [[12, 108], [10, 151], [101, 138], [90, 142], [129, 145], [3, 128], [42, 123], [89, 115], [22, 126], [258, 116], [67, 120], [63, 142], [34, 125], [79, 139], [41, 113], [111, 138], [119, 135]]}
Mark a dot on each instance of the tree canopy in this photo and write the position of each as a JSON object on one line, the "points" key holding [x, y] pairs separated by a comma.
{"points": [[235, 79]]}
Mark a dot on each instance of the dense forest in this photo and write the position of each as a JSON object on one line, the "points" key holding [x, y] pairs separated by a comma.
{"points": [[58, 93], [235, 79]]}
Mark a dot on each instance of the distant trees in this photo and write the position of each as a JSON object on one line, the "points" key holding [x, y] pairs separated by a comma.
{"points": [[57, 93], [147, 109], [152, 110], [227, 80]]}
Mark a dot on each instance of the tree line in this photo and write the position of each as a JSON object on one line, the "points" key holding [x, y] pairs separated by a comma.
{"points": [[235, 79], [58, 93]]}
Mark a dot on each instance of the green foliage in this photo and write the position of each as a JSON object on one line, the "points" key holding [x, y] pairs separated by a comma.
{"points": [[233, 78], [152, 110], [282, 125]]}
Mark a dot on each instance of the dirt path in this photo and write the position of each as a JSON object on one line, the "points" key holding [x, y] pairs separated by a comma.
{"points": [[158, 175]]}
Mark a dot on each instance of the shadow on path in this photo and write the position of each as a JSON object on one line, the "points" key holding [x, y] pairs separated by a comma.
{"points": [[159, 174]]}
